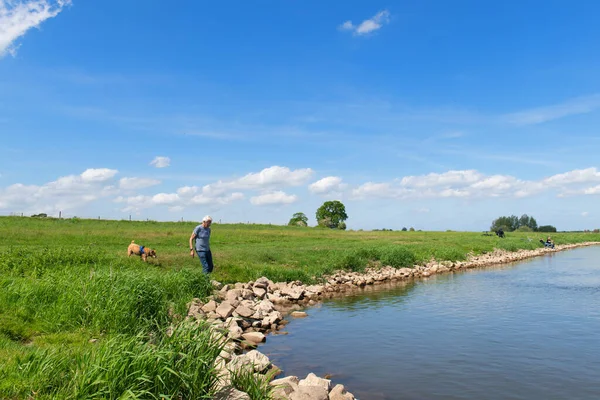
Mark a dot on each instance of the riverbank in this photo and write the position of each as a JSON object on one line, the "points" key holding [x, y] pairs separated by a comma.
{"points": [[249, 311], [69, 288]]}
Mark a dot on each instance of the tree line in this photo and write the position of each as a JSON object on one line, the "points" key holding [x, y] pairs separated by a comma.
{"points": [[524, 223]]}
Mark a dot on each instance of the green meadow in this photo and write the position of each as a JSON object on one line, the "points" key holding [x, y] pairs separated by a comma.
{"points": [[79, 319]]}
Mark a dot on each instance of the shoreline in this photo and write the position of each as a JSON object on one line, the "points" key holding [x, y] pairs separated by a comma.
{"points": [[246, 312]]}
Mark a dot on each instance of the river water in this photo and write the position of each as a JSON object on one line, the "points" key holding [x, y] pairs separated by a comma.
{"points": [[529, 330]]}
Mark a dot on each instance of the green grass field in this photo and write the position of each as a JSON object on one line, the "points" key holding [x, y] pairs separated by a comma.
{"points": [[66, 281]]}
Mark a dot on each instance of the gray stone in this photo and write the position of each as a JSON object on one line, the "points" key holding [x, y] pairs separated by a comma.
{"points": [[339, 393], [254, 337], [210, 306], [244, 311], [309, 393], [313, 380], [299, 314], [229, 393], [225, 310]]}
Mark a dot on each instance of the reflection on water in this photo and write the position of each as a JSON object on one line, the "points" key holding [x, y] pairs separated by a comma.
{"points": [[523, 331]]}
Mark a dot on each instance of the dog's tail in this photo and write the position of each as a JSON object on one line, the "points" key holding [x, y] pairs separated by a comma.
{"points": [[132, 241]]}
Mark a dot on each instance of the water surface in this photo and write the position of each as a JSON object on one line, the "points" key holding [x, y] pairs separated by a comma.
{"points": [[523, 331]]}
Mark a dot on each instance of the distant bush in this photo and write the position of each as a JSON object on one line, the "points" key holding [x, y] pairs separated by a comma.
{"points": [[546, 228], [40, 215]]}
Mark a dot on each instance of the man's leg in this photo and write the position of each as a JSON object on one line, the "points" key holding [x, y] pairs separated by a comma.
{"points": [[203, 260], [209, 261]]}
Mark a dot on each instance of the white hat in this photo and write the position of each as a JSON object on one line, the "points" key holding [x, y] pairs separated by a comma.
{"points": [[207, 218]]}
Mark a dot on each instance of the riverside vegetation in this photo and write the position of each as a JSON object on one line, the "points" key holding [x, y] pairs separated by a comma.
{"points": [[78, 319]]}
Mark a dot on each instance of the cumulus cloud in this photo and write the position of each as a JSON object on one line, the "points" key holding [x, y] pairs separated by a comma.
{"points": [[585, 214], [474, 184], [368, 25], [273, 198], [137, 183], [66, 193], [161, 162], [17, 17], [330, 184], [267, 179]]}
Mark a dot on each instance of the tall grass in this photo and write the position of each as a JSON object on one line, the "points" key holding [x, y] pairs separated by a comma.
{"points": [[180, 366]]}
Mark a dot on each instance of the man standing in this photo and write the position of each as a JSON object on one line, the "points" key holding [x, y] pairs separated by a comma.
{"points": [[202, 236]]}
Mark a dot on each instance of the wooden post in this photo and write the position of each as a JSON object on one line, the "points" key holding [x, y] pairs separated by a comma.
{"points": [[59, 214], [130, 217]]}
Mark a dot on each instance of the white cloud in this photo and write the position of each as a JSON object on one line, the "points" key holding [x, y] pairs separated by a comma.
{"points": [[273, 198], [64, 194], [580, 105], [576, 176], [137, 183], [18, 16], [98, 174], [585, 214], [473, 184], [368, 25], [447, 178], [269, 178], [161, 162], [327, 185]]}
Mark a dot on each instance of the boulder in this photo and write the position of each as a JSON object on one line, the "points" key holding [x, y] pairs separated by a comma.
{"points": [[230, 393], [225, 310], [313, 380], [309, 393], [210, 306], [244, 311], [254, 337], [299, 314], [339, 393]]}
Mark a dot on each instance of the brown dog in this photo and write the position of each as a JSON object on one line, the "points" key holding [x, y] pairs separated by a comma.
{"points": [[141, 251]]}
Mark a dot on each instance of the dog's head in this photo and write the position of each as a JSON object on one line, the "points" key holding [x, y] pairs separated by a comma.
{"points": [[151, 253]]}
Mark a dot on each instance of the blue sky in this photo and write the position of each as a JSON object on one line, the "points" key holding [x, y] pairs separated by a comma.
{"points": [[430, 114]]}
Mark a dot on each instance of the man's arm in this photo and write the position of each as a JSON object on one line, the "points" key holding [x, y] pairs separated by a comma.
{"points": [[192, 244]]}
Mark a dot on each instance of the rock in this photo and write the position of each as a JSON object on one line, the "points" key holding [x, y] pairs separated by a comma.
{"points": [[284, 387], [217, 285], [273, 318], [309, 393], [229, 393], [210, 306], [299, 314], [244, 311], [262, 283], [224, 310], [254, 359], [259, 292], [339, 393], [254, 337], [313, 380], [235, 332], [258, 360]]}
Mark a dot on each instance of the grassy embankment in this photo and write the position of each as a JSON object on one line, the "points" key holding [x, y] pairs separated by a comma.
{"points": [[64, 282]]}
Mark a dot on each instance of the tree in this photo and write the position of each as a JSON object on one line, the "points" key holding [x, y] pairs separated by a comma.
{"points": [[342, 226], [334, 210], [546, 228], [528, 221], [298, 219], [404, 229], [412, 229], [512, 223]]}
